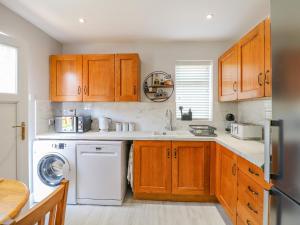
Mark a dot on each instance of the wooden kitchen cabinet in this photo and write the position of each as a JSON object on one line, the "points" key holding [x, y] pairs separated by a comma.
{"points": [[248, 63], [268, 59], [99, 78], [127, 77], [252, 58], [65, 78], [152, 167], [228, 75], [191, 168], [95, 78], [226, 180]]}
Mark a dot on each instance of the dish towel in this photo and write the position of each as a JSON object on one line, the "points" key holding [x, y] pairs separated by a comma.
{"points": [[130, 167]]}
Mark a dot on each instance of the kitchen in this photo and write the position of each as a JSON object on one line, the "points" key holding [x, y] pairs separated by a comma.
{"points": [[163, 121]]}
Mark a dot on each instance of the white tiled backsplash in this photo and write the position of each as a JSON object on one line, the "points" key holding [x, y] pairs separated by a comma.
{"points": [[151, 116], [254, 111]]}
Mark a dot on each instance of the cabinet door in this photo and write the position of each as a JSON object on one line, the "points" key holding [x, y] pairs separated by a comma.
{"points": [[98, 78], [190, 168], [228, 75], [226, 183], [127, 84], [65, 78], [268, 61], [152, 167], [251, 62]]}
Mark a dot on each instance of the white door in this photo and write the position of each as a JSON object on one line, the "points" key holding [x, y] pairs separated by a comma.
{"points": [[13, 111], [8, 141]]}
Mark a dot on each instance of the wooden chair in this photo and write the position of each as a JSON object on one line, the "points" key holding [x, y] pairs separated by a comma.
{"points": [[54, 204]]}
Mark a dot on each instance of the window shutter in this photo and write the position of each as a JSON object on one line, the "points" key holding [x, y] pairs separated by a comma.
{"points": [[193, 83]]}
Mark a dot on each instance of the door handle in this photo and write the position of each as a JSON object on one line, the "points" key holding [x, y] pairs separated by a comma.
{"points": [[267, 80], [233, 169], [175, 153], [23, 129], [79, 90], [134, 89], [168, 153], [259, 80]]}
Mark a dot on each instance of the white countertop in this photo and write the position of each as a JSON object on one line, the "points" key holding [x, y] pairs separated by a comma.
{"points": [[253, 151]]}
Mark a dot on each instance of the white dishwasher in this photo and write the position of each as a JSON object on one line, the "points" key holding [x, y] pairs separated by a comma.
{"points": [[101, 172]]}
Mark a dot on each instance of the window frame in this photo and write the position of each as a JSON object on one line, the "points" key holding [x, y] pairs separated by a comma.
{"points": [[211, 88]]}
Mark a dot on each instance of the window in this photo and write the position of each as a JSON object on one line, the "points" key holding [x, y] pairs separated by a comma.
{"points": [[193, 82], [8, 69]]}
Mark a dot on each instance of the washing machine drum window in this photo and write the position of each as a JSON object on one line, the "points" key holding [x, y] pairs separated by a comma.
{"points": [[52, 169]]}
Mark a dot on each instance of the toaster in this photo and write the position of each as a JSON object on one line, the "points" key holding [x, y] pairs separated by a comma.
{"points": [[246, 131]]}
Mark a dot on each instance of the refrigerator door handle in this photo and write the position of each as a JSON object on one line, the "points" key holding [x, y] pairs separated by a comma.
{"points": [[267, 152], [275, 175]]}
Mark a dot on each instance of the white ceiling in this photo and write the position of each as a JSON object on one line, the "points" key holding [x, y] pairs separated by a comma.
{"points": [[141, 20]]}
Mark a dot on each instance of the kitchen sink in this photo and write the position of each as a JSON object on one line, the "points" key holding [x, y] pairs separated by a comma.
{"points": [[170, 133]]}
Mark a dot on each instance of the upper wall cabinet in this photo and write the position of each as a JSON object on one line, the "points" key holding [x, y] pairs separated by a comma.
{"points": [[99, 78], [66, 78], [252, 59], [268, 61], [228, 75], [127, 71], [95, 78], [251, 68]]}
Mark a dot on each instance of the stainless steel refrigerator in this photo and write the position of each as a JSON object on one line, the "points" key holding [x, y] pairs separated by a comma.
{"points": [[282, 159]]}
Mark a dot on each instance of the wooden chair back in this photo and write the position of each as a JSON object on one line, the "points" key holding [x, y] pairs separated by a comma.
{"points": [[54, 205]]}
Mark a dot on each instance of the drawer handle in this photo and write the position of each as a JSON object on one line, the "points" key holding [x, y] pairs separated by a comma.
{"points": [[251, 208], [248, 222], [252, 191], [253, 172], [98, 148]]}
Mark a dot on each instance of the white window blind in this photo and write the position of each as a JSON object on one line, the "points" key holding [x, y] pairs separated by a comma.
{"points": [[193, 82], [8, 69]]}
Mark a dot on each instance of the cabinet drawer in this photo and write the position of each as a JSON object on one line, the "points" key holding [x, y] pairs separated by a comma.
{"points": [[249, 209], [251, 170], [245, 221], [249, 190]]}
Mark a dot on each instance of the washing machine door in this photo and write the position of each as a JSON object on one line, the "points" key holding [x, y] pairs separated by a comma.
{"points": [[52, 168]]}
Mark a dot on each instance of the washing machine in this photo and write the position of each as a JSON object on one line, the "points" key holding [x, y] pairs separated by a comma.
{"points": [[53, 160]]}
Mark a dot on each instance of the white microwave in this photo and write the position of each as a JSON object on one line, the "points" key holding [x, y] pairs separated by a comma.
{"points": [[246, 131]]}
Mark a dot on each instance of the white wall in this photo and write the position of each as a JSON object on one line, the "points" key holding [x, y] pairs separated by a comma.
{"points": [[154, 56], [36, 46]]}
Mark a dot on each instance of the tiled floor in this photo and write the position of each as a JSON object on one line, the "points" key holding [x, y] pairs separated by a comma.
{"points": [[135, 212]]}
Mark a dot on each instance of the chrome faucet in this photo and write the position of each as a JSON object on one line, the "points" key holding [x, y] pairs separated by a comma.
{"points": [[168, 118]]}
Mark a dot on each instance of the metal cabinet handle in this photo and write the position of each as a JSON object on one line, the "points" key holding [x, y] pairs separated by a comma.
{"points": [[252, 191], [259, 80], [253, 172], [233, 169], [175, 153], [134, 89], [234, 86], [251, 208], [267, 80], [168, 153], [85, 90], [79, 90]]}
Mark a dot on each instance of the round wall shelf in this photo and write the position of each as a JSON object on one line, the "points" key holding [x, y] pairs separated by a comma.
{"points": [[158, 86]]}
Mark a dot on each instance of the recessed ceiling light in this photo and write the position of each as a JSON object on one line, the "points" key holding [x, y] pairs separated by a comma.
{"points": [[81, 20], [209, 16]]}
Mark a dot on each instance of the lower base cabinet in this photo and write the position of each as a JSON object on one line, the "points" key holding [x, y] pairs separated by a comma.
{"points": [[239, 188], [226, 180], [172, 170], [199, 171]]}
